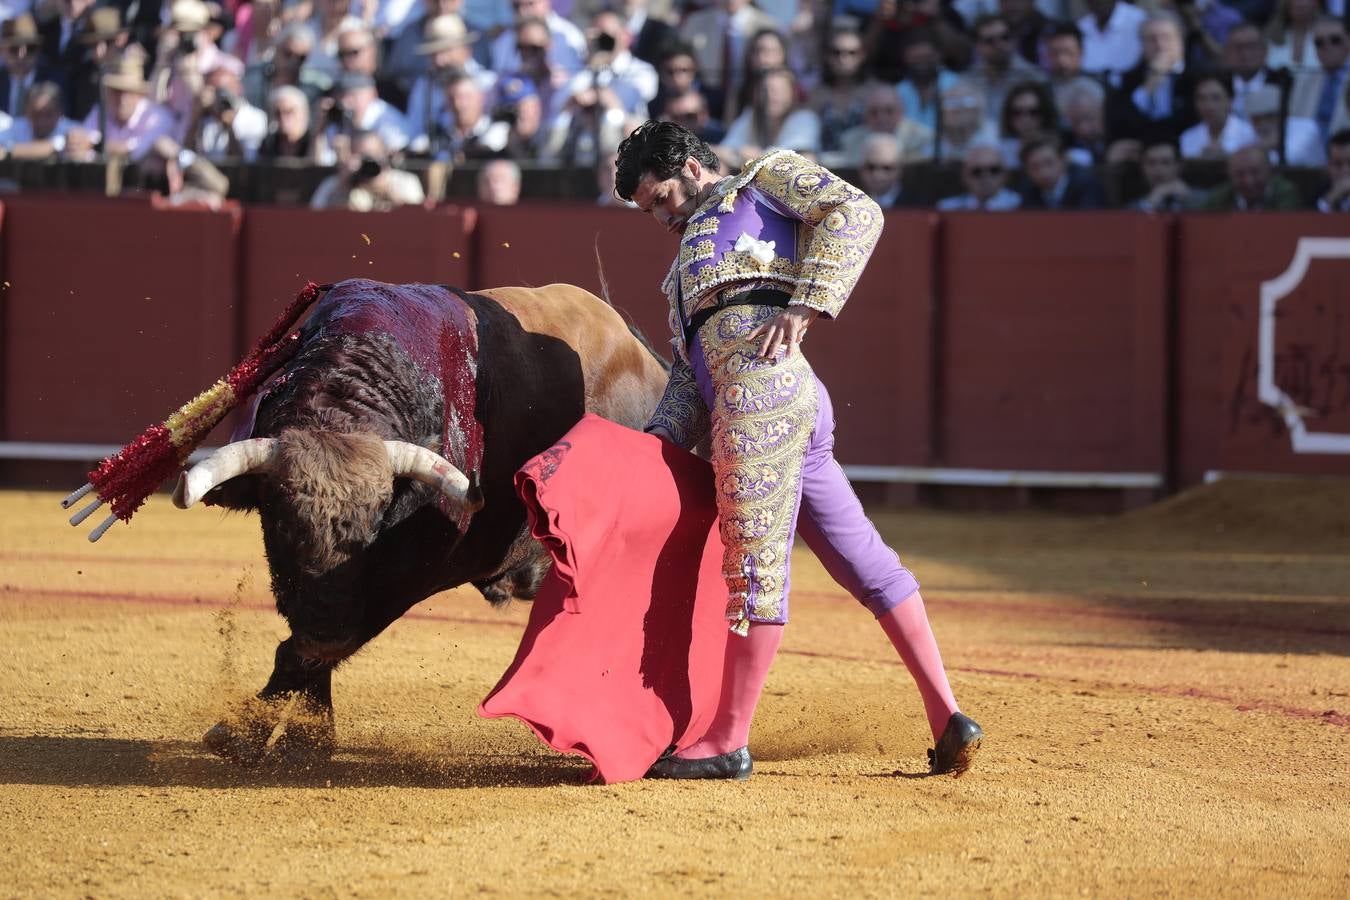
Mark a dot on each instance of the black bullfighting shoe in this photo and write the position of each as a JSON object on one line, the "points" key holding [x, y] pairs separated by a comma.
{"points": [[734, 766], [956, 748]]}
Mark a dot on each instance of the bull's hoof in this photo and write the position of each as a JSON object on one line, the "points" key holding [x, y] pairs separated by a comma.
{"points": [[304, 743], [241, 743]]}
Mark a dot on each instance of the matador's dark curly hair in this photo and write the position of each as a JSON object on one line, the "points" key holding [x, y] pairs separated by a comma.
{"points": [[661, 149]]}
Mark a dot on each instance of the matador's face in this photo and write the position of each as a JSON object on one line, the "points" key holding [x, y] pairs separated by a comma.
{"points": [[671, 202]]}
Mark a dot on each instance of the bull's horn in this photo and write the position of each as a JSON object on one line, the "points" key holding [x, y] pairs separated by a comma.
{"points": [[411, 461], [230, 461]]}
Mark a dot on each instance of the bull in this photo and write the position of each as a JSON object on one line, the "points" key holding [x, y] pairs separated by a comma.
{"points": [[381, 459]]}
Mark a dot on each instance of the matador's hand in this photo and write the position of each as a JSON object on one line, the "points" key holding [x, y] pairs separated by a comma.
{"points": [[785, 331]]}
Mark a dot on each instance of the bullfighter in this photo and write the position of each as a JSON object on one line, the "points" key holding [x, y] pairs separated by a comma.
{"points": [[764, 254]]}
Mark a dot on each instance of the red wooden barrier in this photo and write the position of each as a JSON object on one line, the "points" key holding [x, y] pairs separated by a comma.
{"points": [[1221, 421], [115, 315], [282, 248], [1029, 341], [537, 245], [1053, 353]]}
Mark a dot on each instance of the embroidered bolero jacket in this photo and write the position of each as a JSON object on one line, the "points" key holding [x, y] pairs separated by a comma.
{"points": [[783, 222]]}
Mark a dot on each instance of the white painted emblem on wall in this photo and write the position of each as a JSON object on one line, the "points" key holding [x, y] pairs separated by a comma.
{"points": [[1272, 292]]}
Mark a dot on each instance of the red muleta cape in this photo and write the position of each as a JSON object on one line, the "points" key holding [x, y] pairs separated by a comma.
{"points": [[622, 656]]}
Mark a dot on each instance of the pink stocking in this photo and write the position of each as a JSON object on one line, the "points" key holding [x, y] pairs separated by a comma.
{"points": [[907, 627], [747, 665]]}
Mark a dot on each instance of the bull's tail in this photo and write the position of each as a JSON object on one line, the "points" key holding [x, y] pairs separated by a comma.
{"points": [[632, 329]]}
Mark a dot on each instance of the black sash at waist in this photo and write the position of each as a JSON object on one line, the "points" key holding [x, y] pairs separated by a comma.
{"points": [[756, 297]]}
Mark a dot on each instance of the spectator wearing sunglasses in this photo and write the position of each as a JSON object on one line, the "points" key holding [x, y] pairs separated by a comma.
{"points": [[676, 74], [841, 97], [566, 50], [997, 69], [881, 172], [1318, 91], [986, 181]]}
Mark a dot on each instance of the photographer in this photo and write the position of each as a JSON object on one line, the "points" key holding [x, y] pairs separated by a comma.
{"points": [[224, 124], [353, 107], [364, 181], [183, 56], [622, 80], [463, 129]]}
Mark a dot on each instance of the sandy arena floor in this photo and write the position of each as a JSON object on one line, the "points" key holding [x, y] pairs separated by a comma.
{"points": [[1166, 698]]}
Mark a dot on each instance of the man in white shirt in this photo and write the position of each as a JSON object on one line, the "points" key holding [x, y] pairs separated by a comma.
{"points": [[986, 181], [227, 125], [566, 52], [1111, 36], [612, 68], [363, 111]]}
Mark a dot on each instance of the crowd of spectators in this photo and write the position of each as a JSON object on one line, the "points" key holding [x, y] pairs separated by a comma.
{"points": [[1030, 98]]}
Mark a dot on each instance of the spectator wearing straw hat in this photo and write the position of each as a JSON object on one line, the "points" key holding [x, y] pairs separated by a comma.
{"points": [[463, 130], [132, 121], [447, 47], [19, 40], [404, 63]]}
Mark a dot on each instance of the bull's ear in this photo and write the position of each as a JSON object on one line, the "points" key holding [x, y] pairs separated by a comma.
{"points": [[238, 494]]}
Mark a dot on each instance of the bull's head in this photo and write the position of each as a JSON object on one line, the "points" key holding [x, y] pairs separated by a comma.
{"points": [[324, 498]]}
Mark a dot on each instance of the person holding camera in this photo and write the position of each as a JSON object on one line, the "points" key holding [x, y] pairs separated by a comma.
{"points": [[463, 130], [365, 181], [224, 124], [621, 80], [446, 49], [353, 108], [184, 55]]}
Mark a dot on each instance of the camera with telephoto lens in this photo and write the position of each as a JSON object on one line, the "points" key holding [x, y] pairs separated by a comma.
{"points": [[368, 170], [604, 42], [225, 101], [187, 42]]}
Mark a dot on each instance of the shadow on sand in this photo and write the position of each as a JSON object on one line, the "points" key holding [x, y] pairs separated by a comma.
{"points": [[107, 762]]}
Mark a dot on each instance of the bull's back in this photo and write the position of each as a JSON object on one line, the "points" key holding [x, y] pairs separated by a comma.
{"points": [[623, 380]]}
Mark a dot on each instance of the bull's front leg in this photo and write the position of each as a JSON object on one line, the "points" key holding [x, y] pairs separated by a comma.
{"points": [[299, 697]]}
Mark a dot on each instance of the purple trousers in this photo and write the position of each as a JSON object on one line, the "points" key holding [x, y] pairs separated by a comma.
{"points": [[829, 516]]}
